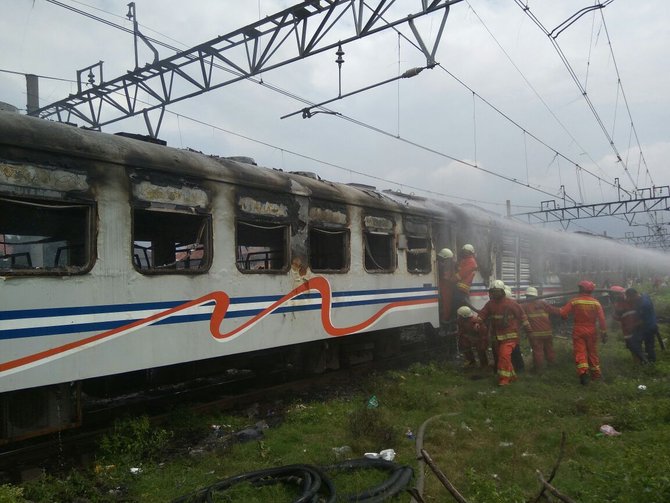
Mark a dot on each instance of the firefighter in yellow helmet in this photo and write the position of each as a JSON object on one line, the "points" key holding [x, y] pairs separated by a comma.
{"points": [[472, 336], [507, 319], [465, 273], [541, 338]]}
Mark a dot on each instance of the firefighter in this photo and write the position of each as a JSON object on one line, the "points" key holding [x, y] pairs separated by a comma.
{"points": [[465, 273], [646, 328], [506, 318], [587, 313], [447, 271], [472, 336], [541, 338], [517, 357], [626, 315]]}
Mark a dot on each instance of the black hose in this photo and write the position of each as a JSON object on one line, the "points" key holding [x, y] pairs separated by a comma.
{"points": [[313, 482], [311, 479], [394, 484]]}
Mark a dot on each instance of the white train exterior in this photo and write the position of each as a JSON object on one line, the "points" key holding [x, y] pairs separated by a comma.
{"points": [[120, 255]]}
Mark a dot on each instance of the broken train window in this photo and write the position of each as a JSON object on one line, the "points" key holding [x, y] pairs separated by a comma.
{"points": [[171, 242], [261, 246], [328, 249], [379, 244], [418, 247], [45, 236], [418, 254]]}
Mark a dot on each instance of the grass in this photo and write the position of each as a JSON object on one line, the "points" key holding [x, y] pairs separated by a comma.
{"points": [[489, 441]]}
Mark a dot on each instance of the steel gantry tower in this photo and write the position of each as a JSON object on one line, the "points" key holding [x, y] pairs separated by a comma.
{"points": [[295, 33]]}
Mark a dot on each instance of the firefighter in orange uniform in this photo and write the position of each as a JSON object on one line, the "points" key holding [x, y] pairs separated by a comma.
{"points": [[587, 312], [472, 336], [506, 318], [626, 314], [446, 268], [465, 273], [541, 337]]}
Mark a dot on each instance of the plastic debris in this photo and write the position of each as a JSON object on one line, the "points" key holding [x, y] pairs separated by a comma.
{"points": [[373, 403], [465, 427], [506, 444], [135, 471], [642, 387], [409, 434], [386, 455], [608, 430]]}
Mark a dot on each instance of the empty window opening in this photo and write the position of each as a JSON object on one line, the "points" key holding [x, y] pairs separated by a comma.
{"points": [[379, 252], [418, 254], [44, 237], [328, 250], [167, 242], [261, 247]]}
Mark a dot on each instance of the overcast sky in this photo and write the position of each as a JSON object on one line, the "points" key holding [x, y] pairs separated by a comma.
{"points": [[437, 128]]}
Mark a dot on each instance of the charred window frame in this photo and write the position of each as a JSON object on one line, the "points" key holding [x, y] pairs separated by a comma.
{"points": [[417, 246], [379, 243], [418, 254], [46, 236], [328, 249], [261, 247], [171, 242]]}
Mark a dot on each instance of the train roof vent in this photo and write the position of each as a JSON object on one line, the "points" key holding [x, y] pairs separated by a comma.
{"points": [[308, 174], [243, 159], [362, 186], [142, 137]]}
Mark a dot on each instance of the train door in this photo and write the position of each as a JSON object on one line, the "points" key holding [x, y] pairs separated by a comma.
{"points": [[515, 264]]}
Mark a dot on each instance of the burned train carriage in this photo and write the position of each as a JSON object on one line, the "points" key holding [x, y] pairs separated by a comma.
{"points": [[127, 264], [120, 256]]}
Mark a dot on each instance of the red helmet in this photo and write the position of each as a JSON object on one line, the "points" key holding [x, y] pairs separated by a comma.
{"points": [[617, 289], [586, 286]]}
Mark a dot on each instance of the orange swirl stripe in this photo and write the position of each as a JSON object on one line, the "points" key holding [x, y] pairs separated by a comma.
{"points": [[222, 303]]}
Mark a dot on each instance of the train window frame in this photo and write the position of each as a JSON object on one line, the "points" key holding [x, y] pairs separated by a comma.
{"points": [[200, 223], [419, 254], [271, 245], [85, 235], [380, 240], [344, 247]]}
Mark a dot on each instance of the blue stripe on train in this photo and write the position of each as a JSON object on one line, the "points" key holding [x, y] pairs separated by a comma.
{"points": [[113, 308], [110, 325]]}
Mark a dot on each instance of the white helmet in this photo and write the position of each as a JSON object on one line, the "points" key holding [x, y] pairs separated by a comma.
{"points": [[465, 312], [445, 253], [531, 291], [468, 248], [508, 291], [498, 285]]}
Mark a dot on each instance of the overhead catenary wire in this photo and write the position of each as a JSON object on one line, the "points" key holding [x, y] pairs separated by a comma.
{"points": [[625, 99], [510, 179], [526, 9], [535, 91]]}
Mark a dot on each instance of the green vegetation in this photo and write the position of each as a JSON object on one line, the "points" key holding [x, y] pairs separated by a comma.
{"points": [[489, 441]]}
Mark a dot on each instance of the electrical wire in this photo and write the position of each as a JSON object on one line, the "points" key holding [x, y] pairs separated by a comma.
{"points": [[625, 99], [526, 9], [536, 92], [475, 166]]}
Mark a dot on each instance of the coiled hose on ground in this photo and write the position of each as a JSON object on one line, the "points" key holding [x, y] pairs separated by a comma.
{"points": [[315, 485]]}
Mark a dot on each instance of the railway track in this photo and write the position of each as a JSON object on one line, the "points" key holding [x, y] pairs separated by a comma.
{"points": [[71, 448]]}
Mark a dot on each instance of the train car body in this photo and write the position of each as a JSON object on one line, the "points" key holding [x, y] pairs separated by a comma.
{"points": [[121, 256]]}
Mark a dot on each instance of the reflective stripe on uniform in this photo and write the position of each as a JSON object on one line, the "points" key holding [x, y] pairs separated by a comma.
{"points": [[506, 373], [542, 334], [504, 337], [583, 365]]}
